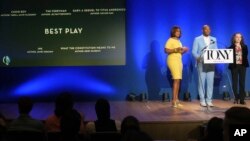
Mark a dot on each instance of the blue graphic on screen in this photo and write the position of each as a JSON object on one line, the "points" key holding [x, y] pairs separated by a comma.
{"points": [[67, 80]]}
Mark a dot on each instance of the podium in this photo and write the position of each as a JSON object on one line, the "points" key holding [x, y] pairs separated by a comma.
{"points": [[218, 56], [221, 57]]}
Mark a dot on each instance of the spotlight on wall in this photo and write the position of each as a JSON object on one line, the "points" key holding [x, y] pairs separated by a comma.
{"points": [[187, 96], [131, 97], [165, 97], [226, 96]]}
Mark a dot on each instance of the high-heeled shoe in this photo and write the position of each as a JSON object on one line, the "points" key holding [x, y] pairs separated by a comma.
{"points": [[179, 104], [174, 104], [242, 102]]}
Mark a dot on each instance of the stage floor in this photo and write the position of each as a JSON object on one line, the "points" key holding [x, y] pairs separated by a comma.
{"points": [[150, 111]]}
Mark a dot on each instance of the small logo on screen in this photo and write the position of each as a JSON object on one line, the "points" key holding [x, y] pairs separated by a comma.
{"points": [[6, 60], [240, 132]]}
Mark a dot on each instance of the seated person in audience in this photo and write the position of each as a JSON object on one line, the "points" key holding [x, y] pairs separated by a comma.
{"points": [[70, 126], [133, 135], [130, 130], [25, 122], [64, 103], [103, 122], [130, 123], [2, 123], [214, 130], [235, 116]]}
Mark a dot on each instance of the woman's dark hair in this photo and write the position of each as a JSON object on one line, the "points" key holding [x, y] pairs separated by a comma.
{"points": [[215, 129], [174, 30], [102, 109], [70, 122], [238, 115], [130, 123], [2, 116], [25, 105], [64, 102], [242, 42]]}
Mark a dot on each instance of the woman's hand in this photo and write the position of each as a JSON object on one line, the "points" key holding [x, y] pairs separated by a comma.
{"points": [[176, 50], [183, 49]]}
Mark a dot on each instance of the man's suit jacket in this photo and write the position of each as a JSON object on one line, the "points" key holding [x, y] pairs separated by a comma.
{"points": [[198, 45]]}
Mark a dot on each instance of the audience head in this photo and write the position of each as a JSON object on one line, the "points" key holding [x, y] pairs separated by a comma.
{"points": [[25, 105], [70, 123], [2, 116], [64, 102], [2, 123], [102, 109], [136, 136], [235, 116], [130, 123], [214, 130]]}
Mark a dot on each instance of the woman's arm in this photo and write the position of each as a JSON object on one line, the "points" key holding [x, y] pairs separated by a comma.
{"points": [[246, 51], [184, 50], [175, 50]]}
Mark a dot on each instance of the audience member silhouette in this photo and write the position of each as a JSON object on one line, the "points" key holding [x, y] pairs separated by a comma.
{"points": [[235, 116], [214, 130], [129, 123], [2, 127], [103, 123], [133, 135], [2, 123], [130, 130], [25, 122], [64, 103], [70, 126]]}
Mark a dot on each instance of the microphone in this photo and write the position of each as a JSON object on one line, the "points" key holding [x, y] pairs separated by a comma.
{"points": [[222, 44], [211, 42]]}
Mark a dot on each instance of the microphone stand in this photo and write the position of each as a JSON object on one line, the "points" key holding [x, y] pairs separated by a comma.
{"points": [[229, 80], [199, 75]]}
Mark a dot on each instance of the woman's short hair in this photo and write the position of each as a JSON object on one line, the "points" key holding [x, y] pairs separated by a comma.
{"points": [[173, 30]]}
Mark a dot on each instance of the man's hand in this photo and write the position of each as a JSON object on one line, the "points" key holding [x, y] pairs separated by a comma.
{"points": [[198, 59]]}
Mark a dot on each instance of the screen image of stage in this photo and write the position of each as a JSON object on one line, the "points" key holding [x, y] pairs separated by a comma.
{"points": [[109, 48], [115, 50], [62, 33]]}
